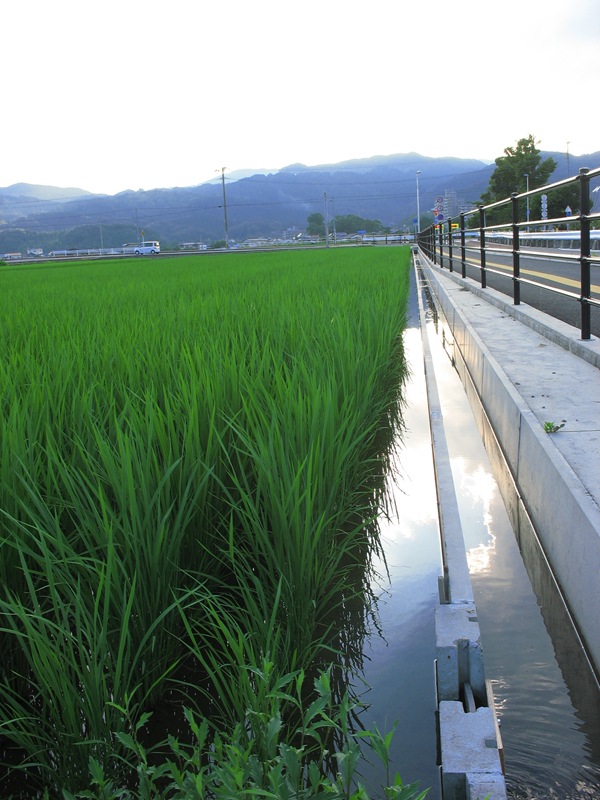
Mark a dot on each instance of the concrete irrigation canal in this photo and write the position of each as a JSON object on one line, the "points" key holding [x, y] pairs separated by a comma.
{"points": [[489, 649]]}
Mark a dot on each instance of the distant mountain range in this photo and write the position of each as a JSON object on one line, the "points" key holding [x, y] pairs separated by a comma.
{"points": [[258, 204]]}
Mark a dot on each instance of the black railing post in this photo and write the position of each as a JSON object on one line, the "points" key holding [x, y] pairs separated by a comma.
{"points": [[584, 254], [451, 265], [482, 246], [441, 241], [463, 246], [515, 250], [433, 245]]}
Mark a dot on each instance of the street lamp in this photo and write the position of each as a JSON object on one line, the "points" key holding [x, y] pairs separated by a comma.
{"points": [[418, 204], [527, 189]]}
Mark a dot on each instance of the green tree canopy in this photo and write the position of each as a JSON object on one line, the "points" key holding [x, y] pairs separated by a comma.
{"points": [[515, 168], [558, 201], [520, 167], [351, 223], [315, 225]]}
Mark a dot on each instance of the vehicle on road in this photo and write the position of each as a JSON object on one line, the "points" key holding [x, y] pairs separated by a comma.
{"points": [[146, 248]]}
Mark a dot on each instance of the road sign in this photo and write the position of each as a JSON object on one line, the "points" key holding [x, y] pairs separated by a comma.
{"points": [[439, 199]]}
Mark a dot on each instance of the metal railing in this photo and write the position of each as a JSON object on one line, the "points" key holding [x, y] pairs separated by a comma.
{"points": [[441, 241]]}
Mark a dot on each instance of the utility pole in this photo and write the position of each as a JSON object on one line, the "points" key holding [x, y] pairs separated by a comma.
{"points": [[326, 221], [568, 169], [225, 207], [333, 212]]}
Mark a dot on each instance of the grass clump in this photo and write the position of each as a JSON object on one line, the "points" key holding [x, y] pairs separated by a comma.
{"points": [[192, 462]]}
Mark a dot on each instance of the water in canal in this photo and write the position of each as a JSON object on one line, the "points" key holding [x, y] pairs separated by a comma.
{"points": [[547, 700]]}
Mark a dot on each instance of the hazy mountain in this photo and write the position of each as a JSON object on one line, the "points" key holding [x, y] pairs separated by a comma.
{"points": [[567, 167], [238, 174], [24, 200], [260, 204], [38, 192]]}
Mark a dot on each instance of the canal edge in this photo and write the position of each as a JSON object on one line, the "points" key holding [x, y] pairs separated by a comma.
{"points": [[470, 745]]}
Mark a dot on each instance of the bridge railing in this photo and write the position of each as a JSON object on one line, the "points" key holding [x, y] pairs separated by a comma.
{"points": [[505, 226]]}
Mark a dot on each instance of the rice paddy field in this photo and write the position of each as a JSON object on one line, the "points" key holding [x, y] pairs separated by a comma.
{"points": [[193, 455]]}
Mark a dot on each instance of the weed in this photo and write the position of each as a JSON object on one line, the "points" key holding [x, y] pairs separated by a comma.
{"points": [[551, 427]]}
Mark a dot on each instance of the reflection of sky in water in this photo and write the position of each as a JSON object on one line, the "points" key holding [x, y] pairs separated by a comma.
{"points": [[477, 491], [399, 665], [410, 535], [476, 488], [413, 487]]}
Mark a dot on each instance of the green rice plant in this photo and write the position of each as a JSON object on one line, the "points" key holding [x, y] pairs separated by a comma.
{"points": [[56, 710], [297, 521], [192, 463]]}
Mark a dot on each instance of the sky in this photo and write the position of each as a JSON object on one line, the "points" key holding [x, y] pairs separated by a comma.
{"points": [[131, 94]]}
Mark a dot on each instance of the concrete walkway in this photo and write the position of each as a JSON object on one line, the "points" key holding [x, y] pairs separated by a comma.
{"points": [[528, 369]]}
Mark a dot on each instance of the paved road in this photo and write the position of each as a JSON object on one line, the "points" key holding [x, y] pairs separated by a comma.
{"points": [[559, 274]]}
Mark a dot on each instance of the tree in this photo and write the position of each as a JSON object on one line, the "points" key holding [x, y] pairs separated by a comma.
{"points": [[558, 201], [351, 223], [513, 167], [315, 225], [519, 168]]}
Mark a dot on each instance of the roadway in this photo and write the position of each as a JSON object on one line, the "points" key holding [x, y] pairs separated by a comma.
{"points": [[561, 274]]}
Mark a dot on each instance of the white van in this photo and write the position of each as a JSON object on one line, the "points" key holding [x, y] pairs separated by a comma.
{"points": [[147, 248]]}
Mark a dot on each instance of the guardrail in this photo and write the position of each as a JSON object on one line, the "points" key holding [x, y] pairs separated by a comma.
{"points": [[441, 241]]}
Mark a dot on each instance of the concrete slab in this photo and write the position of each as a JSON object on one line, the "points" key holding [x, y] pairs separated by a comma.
{"points": [[471, 765], [458, 652]]}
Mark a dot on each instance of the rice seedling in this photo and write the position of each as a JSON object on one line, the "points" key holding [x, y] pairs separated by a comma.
{"points": [[192, 459]]}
